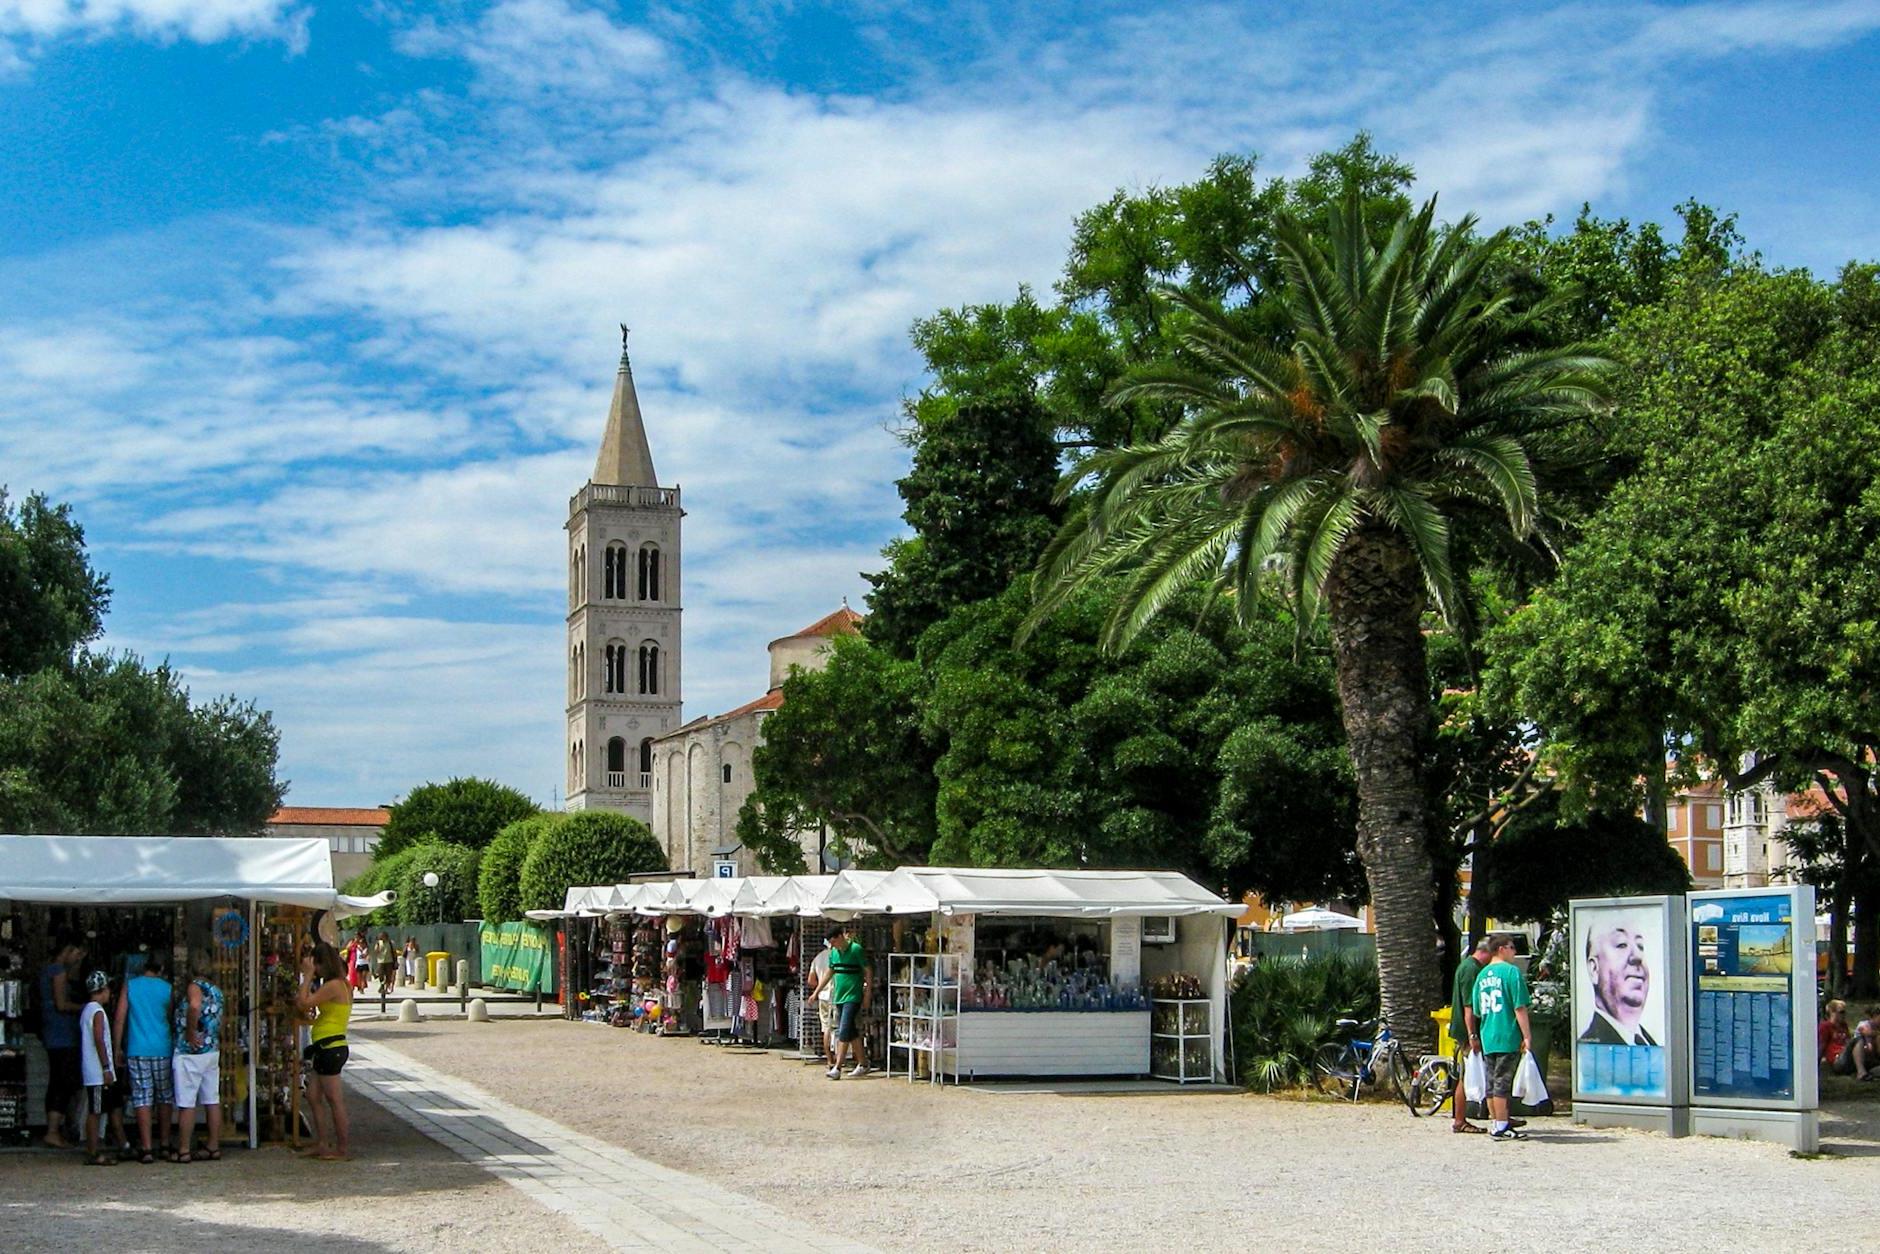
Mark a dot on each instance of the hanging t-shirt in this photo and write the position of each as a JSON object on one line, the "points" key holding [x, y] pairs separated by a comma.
{"points": [[1499, 991]]}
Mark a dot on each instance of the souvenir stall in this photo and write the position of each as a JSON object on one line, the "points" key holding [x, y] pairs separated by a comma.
{"points": [[683, 949], [252, 904], [1021, 972]]}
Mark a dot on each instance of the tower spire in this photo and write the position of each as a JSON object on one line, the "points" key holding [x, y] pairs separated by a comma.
{"points": [[625, 458]]}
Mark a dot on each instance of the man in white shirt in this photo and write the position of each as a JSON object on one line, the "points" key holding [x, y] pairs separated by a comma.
{"points": [[822, 989]]}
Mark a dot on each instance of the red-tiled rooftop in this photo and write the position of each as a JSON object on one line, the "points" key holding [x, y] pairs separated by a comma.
{"points": [[844, 622], [329, 816]]}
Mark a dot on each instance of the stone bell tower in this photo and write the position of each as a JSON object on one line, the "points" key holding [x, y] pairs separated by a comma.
{"points": [[623, 616]]}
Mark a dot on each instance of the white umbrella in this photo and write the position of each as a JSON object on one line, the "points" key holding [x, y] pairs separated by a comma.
{"points": [[1318, 919]]}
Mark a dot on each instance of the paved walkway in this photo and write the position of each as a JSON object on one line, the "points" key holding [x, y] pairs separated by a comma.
{"points": [[628, 1201]]}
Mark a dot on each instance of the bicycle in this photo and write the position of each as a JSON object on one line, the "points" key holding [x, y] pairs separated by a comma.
{"points": [[1367, 1056], [1434, 1084]]}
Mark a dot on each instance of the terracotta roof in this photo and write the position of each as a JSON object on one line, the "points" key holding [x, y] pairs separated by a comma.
{"points": [[844, 622], [771, 700], [327, 816]]}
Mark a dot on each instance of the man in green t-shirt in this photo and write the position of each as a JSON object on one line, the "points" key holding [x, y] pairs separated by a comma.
{"points": [[848, 967], [1461, 991], [1499, 1028]]}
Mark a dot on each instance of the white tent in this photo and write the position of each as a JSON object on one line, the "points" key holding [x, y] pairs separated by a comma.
{"points": [[1318, 919], [1064, 894], [138, 870], [765, 895]]}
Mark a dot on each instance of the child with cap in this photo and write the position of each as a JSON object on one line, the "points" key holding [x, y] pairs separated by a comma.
{"points": [[96, 1065]]}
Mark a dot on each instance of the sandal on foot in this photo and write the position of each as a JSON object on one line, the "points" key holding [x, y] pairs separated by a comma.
{"points": [[146, 1158], [211, 1156], [183, 1159], [1470, 1127], [100, 1160]]}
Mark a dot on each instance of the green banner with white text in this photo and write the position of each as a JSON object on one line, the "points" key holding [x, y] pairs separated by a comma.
{"points": [[515, 956]]}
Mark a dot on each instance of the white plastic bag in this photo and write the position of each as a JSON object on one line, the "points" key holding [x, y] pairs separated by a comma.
{"points": [[1474, 1078], [1529, 1088]]}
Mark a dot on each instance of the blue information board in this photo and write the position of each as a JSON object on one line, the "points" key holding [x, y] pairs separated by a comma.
{"points": [[1743, 952]]}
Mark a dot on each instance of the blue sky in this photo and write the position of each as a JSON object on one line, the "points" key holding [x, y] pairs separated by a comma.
{"points": [[309, 308]]}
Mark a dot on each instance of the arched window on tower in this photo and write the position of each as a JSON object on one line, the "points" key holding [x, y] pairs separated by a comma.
{"points": [[580, 670], [614, 572], [616, 762], [649, 572], [581, 575], [614, 675], [573, 774], [646, 762], [649, 669]]}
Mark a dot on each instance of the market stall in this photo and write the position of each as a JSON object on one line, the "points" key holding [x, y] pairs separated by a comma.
{"points": [[1045, 972], [250, 903]]}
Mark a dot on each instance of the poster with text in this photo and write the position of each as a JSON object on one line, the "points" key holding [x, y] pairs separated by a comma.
{"points": [[1619, 962], [1743, 1014]]}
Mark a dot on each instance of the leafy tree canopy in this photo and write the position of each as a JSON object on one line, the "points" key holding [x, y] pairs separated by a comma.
{"points": [[499, 876], [52, 601], [589, 847], [846, 753], [1204, 746], [1540, 864], [455, 897], [464, 811]]}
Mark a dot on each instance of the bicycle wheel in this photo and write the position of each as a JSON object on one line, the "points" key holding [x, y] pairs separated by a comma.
{"points": [[1399, 1068], [1333, 1070], [1434, 1085]]}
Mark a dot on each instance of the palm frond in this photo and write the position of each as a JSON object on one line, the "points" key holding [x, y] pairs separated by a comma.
{"points": [[1502, 461], [1428, 532]]}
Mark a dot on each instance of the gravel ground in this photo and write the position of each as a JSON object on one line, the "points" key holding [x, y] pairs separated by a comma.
{"points": [[915, 1168], [401, 1192]]}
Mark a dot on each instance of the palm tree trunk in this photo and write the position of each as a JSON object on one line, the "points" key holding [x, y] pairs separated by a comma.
{"points": [[1376, 603]]}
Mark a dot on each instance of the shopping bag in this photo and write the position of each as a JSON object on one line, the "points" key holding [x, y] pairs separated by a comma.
{"points": [[1475, 1078], [1529, 1088]]}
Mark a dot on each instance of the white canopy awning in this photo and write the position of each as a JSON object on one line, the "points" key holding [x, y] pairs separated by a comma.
{"points": [[1318, 919], [979, 890], [133, 870]]}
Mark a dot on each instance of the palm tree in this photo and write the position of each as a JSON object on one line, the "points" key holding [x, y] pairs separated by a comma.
{"points": [[1406, 406]]}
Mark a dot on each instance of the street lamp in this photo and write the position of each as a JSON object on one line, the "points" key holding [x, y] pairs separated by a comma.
{"points": [[437, 906]]}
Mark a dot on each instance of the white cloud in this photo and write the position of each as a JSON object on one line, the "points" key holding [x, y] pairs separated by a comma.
{"points": [[24, 24]]}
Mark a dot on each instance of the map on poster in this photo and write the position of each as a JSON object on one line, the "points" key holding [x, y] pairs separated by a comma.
{"points": [[1742, 958]]}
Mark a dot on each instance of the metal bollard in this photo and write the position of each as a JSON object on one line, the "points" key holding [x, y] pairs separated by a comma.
{"points": [[463, 985]]}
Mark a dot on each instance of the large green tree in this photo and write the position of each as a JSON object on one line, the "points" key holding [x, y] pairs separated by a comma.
{"points": [[1205, 746], [588, 848], [1398, 408], [463, 811], [99, 742], [1724, 604], [844, 757]]}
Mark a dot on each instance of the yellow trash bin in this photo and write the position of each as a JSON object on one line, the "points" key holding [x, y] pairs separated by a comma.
{"points": [[1445, 1043], [437, 968]]}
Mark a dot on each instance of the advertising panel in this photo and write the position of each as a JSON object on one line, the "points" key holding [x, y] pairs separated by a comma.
{"points": [[1624, 986], [1750, 949]]}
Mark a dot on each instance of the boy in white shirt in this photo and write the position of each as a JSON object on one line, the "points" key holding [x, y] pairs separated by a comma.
{"points": [[95, 1063]]}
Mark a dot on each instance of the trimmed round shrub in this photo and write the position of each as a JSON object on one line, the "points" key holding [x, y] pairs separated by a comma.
{"points": [[499, 878], [466, 812], [455, 897], [591, 847]]}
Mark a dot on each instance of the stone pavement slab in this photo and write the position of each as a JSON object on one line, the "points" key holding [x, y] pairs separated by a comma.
{"points": [[630, 1202]]}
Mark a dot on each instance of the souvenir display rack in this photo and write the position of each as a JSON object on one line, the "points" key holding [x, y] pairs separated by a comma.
{"points": [[924, 1015], [13, 1057], [285, 935], [1181, 1039]]}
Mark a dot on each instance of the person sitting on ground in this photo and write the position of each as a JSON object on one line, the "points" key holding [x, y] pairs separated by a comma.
{"points": [[1862, 1055], [1831, 1035], [197, 1065], [142, 1040], [96, 1065], [325, 998]]}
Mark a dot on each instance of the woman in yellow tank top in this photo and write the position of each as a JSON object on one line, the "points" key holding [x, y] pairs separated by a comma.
{"points": [[329, 1006]]}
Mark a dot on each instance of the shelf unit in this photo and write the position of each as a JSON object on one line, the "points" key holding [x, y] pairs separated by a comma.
{"points": [[1181, 1039], [13, 1056], [924, 1014]]}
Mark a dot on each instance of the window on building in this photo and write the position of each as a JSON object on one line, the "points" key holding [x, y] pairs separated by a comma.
{"points": [[1671, 818], [614, 673], [1710, 857], [1716, 817], [614, 573], [649, 572], [581, 578], [649, 669], [727, 772], [646, 756]]}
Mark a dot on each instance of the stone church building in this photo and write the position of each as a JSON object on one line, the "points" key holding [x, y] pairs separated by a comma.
{"points": [[626, 749]]}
